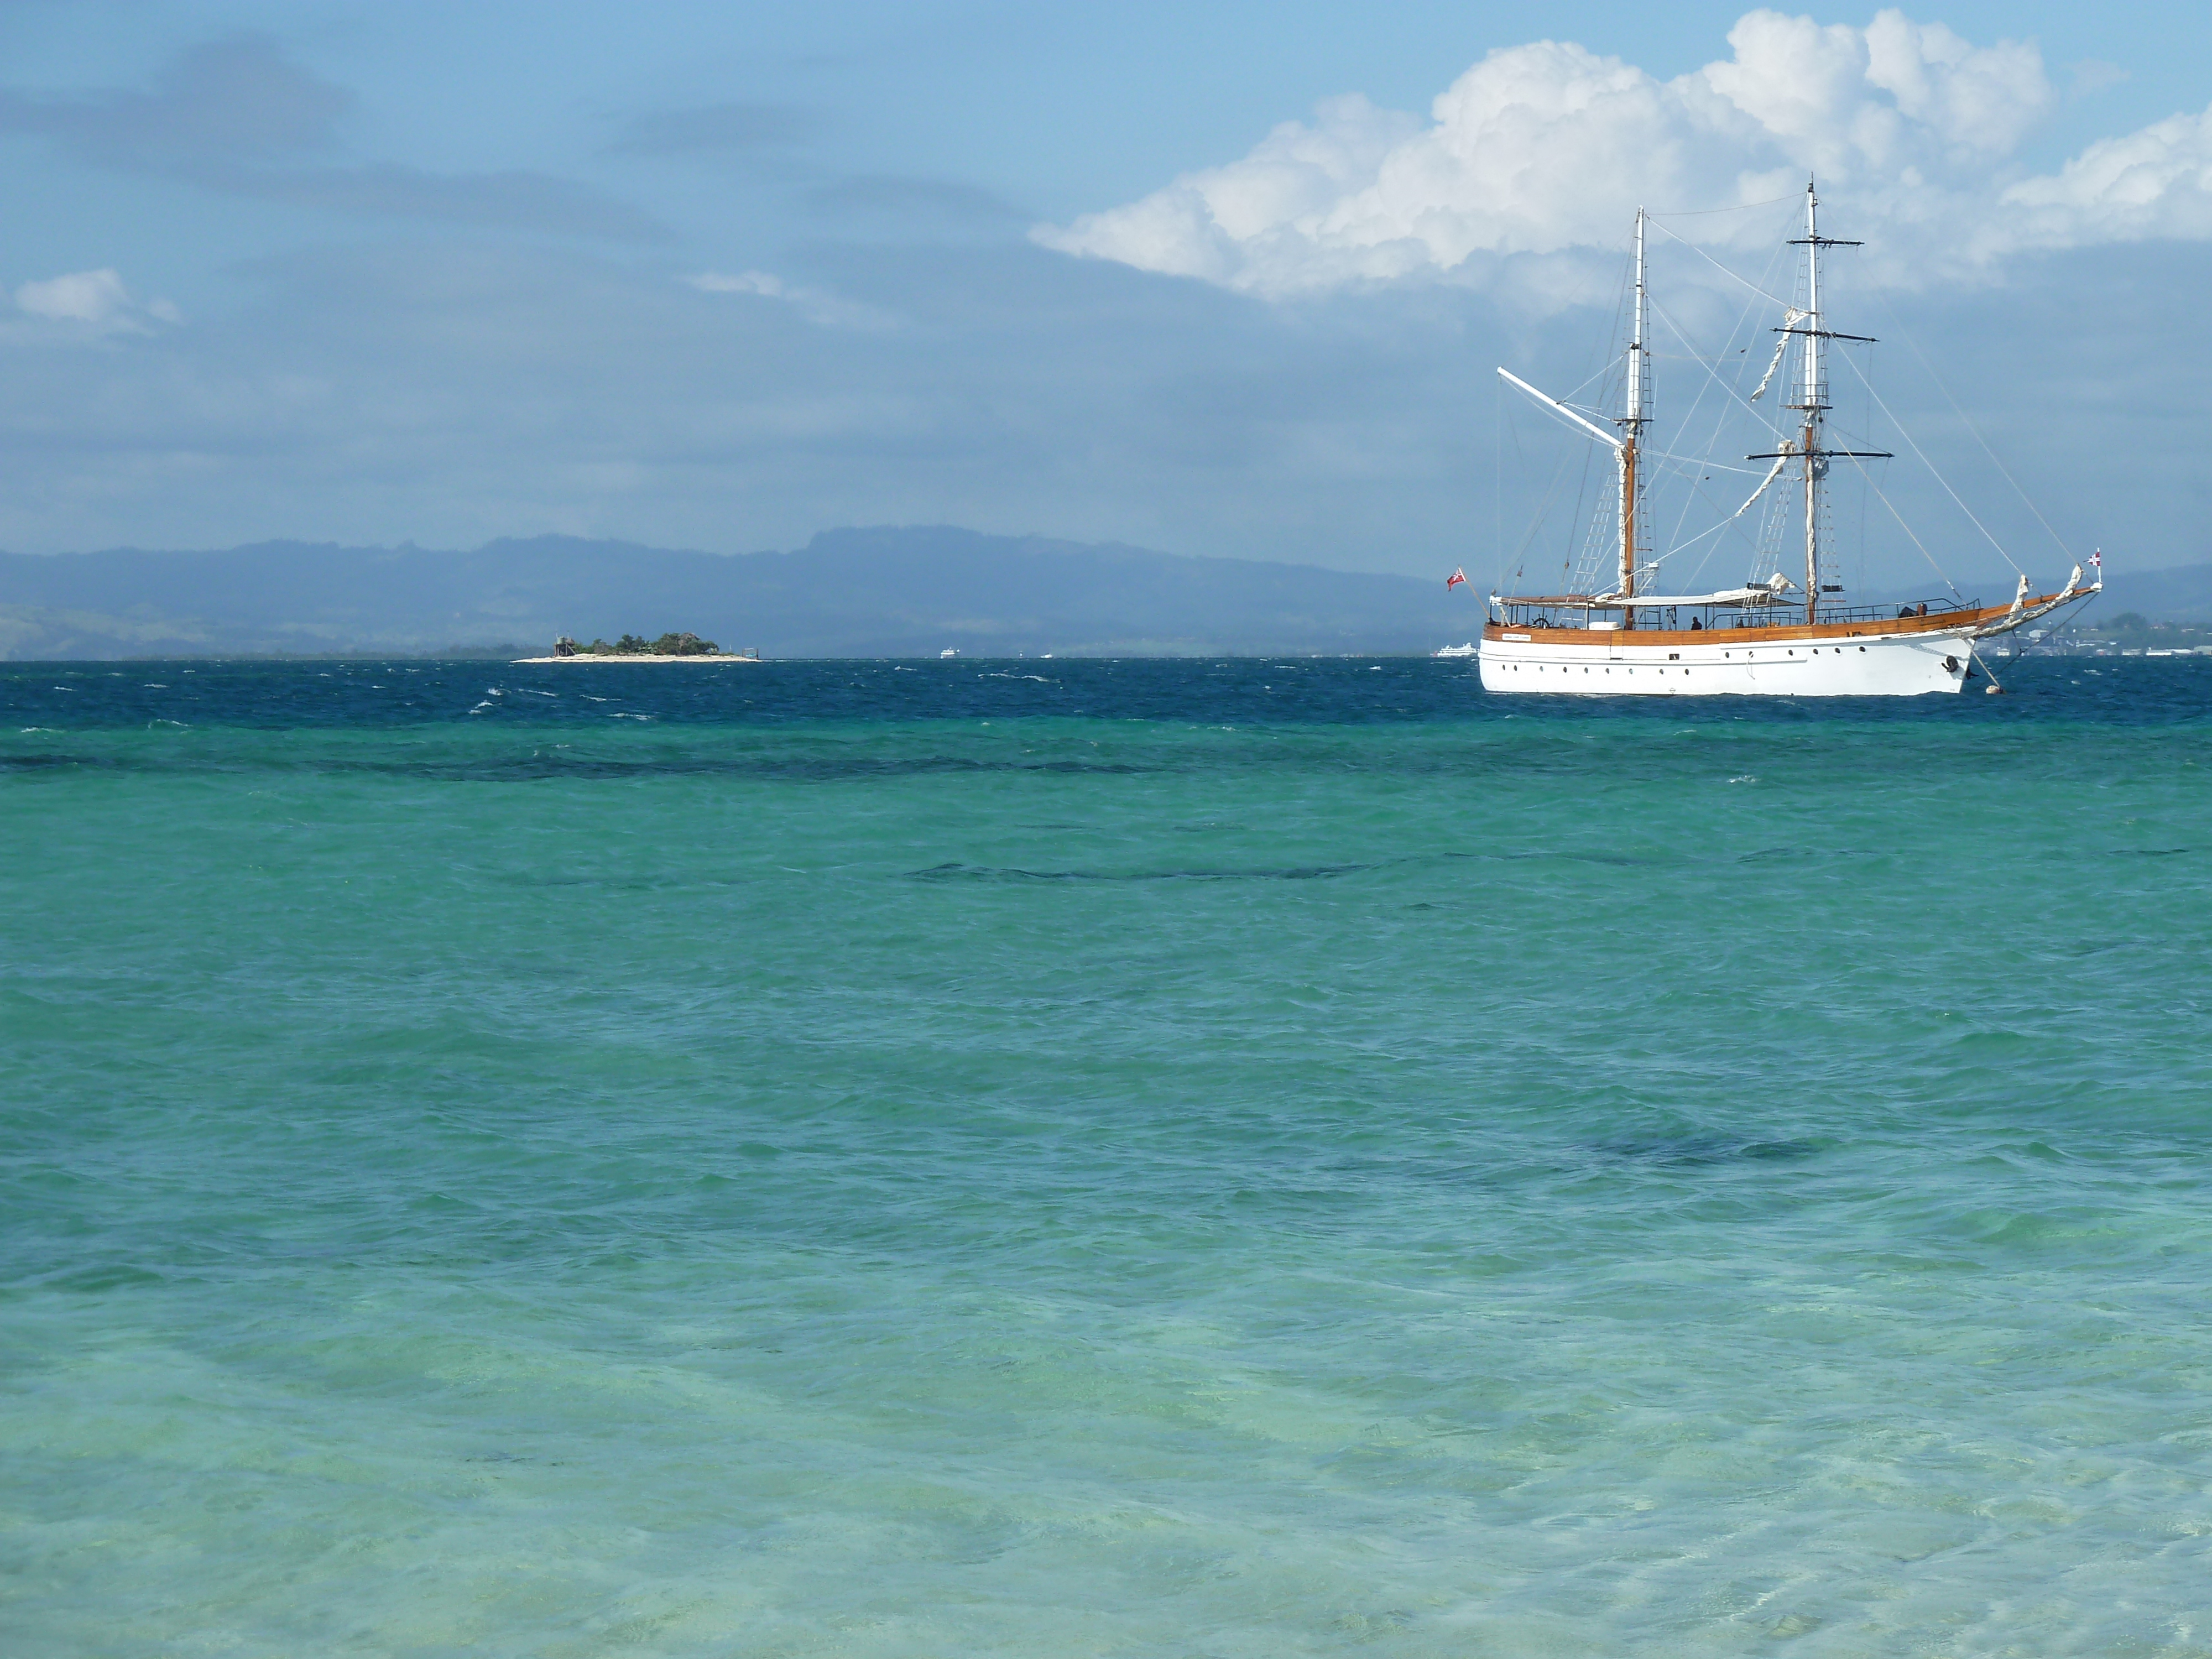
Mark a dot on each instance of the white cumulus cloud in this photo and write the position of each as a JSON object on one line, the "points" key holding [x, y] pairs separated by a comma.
{"points": [[812, 303], [1542, 150], [93, 301], [2157, 182]]}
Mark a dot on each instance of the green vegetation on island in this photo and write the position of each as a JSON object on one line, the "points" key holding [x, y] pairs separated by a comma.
{"points": [[632, 645]]}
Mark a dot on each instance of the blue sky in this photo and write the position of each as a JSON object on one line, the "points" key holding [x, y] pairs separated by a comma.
{"points": [[720, 276]]}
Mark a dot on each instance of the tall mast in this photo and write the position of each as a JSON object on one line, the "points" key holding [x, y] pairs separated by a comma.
{"points": [[1813, 405], [1631, 422], [1813, 397]]}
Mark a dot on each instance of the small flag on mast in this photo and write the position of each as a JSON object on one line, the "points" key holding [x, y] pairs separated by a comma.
{"points": [[1454, 580], [2097, 559]]}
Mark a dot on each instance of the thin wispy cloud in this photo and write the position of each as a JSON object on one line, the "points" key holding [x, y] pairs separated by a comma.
{"points": [[92, 305], [237, 99], [239, 118], [710, 128], [818, 306], [896, 193], [1543, 149], [507, 200]]}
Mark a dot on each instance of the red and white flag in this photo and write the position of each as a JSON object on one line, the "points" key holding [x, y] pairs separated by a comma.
{"points": [[1454, 580], [2097, 559]]}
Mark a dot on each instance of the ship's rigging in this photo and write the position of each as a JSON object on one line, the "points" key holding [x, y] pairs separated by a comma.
{"points": [[1806, 451], [1617, 611]]}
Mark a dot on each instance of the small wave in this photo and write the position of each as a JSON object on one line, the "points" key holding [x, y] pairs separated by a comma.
{"points": [[480, 708]]}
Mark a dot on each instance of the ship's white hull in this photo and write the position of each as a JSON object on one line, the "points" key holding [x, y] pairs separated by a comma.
{"points": [[1603, 665]]}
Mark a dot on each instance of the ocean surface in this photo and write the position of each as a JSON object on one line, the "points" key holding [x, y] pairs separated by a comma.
{"points": [[1145, 1158]]}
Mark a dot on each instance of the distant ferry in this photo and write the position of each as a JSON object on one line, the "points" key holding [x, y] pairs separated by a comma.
{"points": [[1470, 649], [1775, 637]]}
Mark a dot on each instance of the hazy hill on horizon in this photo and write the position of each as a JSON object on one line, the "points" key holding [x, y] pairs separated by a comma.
{"points": [[881, 591], [911, 591]]}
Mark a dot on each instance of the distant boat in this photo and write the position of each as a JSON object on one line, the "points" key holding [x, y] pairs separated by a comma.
{"points": [[1470, 649], [948, 651], [1773, 636]]}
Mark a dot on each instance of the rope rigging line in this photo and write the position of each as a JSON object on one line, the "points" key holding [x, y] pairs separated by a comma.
{"points": [[1696, 464], [1535, 525], [1930, 465], [1867, 474], [2026, 500], [1713, 378], [1706, 213], [1676, 329], [1730, 521], [1714, 530], [1720, 268]]}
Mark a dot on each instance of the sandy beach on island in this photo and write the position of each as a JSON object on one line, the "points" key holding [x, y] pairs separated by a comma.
{"points": [[611, 657]]}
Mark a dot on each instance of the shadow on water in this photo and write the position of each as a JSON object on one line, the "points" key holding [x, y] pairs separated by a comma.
{"points": [[1520, 856], [49, 762], [792, 768], [988, 874], [538, 767], [1700, 1152]]}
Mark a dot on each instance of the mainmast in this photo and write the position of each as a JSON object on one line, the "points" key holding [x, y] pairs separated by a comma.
{"points": [[1813, 397], [1631, 424], [1813, 405]]}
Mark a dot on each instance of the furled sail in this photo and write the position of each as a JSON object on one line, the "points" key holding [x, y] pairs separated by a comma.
{"points": [[1790, 320], [1773, 473], [1759, 594]]}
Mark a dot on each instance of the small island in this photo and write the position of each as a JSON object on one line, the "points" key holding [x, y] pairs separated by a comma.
{"points": [[632, 647]]}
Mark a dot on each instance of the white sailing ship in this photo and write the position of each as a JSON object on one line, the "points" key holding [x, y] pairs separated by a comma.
{"points": [[1776, 635]]}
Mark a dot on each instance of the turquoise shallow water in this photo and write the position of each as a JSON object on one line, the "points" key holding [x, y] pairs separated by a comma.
{"points": [[1228, 1159]]}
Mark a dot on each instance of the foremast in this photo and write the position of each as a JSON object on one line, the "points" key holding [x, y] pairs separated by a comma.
{"points": [[1626, 443]]}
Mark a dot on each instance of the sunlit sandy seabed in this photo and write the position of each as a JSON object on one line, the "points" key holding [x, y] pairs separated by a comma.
{"points": [[1228, 1159]]}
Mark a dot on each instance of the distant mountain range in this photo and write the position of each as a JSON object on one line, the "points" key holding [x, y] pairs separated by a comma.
{"points": [[2179, 593], [873, 593], [876, 592]]}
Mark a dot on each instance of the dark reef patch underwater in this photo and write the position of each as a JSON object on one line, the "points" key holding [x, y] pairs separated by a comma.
{"points": [[1229, 1157]]}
